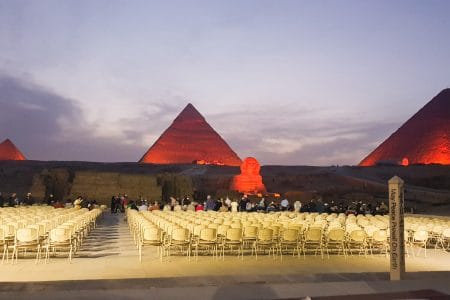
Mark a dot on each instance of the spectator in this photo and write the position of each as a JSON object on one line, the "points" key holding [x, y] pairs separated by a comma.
{"points": [[199, 207], [132, 205], [113, 204], [50, 200], [261, 205], [13, 200], [143, 206], [320, 207], [185, 202], [119, 204], [155, 206], [234, 206], [2, 200], [218, 204], [77, 203], [383, 208], [210, 203], [297, 206], [228, 203], [243, 203], [248, 207], [173, 202], [68, 203], [57, 204], [223, 207], [272, 207], [285, 205]]}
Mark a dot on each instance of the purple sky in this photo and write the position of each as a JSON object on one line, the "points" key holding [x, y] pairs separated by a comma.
{"points": [[289, 82]]}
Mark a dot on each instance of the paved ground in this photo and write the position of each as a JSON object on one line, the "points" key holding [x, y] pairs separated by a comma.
{"points": [[107, 266]]}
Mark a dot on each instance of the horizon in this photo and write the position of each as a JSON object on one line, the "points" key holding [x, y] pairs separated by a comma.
{"points": [[292, 83]]}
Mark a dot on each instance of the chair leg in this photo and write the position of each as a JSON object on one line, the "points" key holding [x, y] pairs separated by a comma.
{"points": [[47, 254], [14, 255], [37, 254], [140, 252], [4, 252]]}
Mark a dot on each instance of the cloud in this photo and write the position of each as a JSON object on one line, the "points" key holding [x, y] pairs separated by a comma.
{"points": [[47, 126], [295, 136]]}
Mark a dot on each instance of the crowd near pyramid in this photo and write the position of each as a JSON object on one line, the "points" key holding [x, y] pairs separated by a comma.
{"points": [[190, 139], [9, 151], [423, 139]]}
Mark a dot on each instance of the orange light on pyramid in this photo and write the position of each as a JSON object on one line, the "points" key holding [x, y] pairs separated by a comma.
{"points": [[423, 139], [9, 151], [190, 139], [405, 162]]}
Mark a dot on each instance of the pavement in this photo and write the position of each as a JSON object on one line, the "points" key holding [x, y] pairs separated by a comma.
{"points": [[107, 266]]}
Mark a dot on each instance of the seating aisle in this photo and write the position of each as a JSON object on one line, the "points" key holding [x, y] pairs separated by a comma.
{"points": [[110, 238]]}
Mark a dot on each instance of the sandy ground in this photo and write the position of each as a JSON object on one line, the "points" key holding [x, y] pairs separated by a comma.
{"points": [[108, 265]]}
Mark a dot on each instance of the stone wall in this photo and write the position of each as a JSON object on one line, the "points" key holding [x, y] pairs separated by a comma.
{"points": [[102, 185]]}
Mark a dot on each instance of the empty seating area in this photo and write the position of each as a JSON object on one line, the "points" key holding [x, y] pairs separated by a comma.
{"points": [[221, 234], [427, 232], [42, 231]]}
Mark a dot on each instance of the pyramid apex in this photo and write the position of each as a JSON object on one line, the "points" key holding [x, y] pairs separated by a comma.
{"points": [[189, 113], [422, 139], [7, 142], [190, 139], [444, 92], [9, 151]]}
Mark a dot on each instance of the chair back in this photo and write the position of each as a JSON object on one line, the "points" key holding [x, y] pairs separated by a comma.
{"points": [[420, 235], [208, 234], [234, 234], [152, 234], [358, 235], [265, 234], [336, 234], [222, 230], [180, 234], [313, 234], [446, 233], [59, 235], [379, 236], [250, 231], [27, 235], [290, 235]]}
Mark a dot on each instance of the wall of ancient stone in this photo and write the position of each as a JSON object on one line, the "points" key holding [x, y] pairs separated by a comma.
{"points": [[102, 185]]}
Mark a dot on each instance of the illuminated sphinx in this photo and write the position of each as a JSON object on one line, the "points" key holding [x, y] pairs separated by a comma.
{"points": [[249, 181]]}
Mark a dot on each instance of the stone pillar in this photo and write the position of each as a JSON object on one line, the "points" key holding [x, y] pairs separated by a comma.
{"points": [[396, 223]]}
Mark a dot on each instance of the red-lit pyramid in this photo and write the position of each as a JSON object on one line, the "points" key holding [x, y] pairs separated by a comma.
{"points": [[9, 151], [190, 138], [423, 139]]}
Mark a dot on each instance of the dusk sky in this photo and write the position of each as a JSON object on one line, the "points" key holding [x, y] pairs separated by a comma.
{"points": [[288, 82]]}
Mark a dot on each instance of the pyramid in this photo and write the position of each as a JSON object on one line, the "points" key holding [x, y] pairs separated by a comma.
{"points": [[423, 139], [190, 139], [9, 151]]}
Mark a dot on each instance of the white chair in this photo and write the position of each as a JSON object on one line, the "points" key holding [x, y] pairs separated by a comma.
{"points": [[151, 236], [59, 239], [26, 239]]}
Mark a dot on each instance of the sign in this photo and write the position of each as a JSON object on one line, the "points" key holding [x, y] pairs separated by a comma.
{"points": [[396, 222]]}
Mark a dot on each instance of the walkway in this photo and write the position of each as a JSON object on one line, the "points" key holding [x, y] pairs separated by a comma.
{"points": [[107, 266]]}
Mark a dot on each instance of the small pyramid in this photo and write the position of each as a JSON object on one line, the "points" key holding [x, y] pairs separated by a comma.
{"points": [[423, 139], [9, 151], [190, 139]]}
